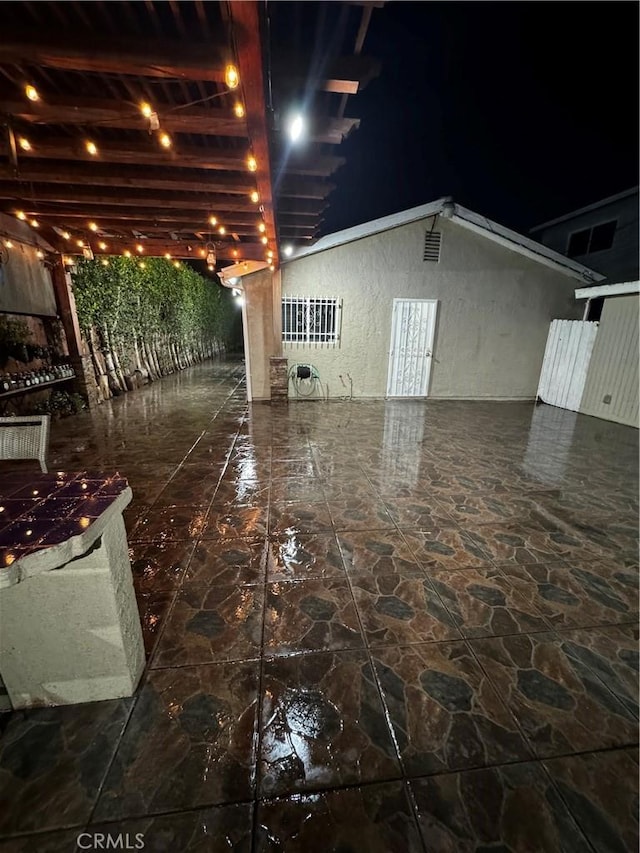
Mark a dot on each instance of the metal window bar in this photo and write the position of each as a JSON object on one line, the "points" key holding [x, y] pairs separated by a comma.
{"points": [[311, 320]]}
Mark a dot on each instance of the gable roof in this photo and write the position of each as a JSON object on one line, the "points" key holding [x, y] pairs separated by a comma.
{"points": [[467, 219], [587, 209]]}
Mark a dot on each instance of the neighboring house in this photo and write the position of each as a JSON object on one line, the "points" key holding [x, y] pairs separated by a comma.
{"points": [[434, 301], [603, 235]]}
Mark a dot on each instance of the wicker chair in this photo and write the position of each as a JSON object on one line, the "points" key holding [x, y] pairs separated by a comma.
{"points": [[25, 438]]}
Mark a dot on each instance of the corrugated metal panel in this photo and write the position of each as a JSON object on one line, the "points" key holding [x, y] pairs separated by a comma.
{"points": [[566, 362], [613, 371]]}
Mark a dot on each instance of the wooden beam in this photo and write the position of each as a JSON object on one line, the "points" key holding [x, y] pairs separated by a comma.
{"points": [[137, 178], [124, 55], [212, 121], [344, 75], [246, 28], [118, 214], [145, 153]]}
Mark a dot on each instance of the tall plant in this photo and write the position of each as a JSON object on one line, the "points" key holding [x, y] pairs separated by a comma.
{"points": [[144, 322]]}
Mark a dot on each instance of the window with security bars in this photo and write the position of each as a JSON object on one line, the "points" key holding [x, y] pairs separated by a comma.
{"points": [[310, 320], [432, 246]]}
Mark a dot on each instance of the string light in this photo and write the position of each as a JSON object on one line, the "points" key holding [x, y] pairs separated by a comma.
{"points": [[210, 268], [239, 110], [34, 223], [93, 226], [222, 230], [146, 109], [24, 143], [176, 264], [32, 93], [142, 265], [203, 253], [66, 235], [40, 254], [270, 253], [235, 253], [272, 268], [252, 163], [165, 140], [139, 248], [255, 196], [21, 214], [8, 244], [231, 76], [262, 227], [213, 220], [102, 246], [167, 256], [80, 243], [127, 253], [104, 262], [91, 148], [265, 240]]}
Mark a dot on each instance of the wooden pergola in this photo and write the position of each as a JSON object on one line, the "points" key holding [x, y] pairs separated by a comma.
{"points": [[150, 128]]}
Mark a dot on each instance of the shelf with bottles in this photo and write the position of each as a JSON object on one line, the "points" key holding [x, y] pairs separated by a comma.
{"points": [[34, 380]]}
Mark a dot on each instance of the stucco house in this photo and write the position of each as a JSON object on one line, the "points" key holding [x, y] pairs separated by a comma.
{"points": [[435, 301]]}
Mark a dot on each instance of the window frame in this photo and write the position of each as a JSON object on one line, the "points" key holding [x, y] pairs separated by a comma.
{"points": [[590, 229], [304, 333]]}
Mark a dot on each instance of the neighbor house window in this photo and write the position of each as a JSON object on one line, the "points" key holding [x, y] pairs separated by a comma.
{"points": [[589, 240], [310, 320]]}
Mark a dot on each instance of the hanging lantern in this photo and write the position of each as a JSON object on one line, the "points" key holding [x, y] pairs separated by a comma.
{"points": [[87, 253]]}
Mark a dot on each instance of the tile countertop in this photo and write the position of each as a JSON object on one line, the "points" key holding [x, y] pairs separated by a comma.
{"points": [[48, 519]]}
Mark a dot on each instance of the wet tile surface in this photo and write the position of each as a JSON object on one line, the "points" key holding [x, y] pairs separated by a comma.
{"points": [[420, 633]]}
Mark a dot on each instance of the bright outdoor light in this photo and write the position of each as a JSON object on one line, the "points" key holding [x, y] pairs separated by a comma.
{"points": [[296, 128], [252, 164], [165, 140], [21, 215], [255, 196], [146, 109], [231, 76], [239, 110], [91, 147], [93, 226], [288, 250], [32, 93], [24, 143]]}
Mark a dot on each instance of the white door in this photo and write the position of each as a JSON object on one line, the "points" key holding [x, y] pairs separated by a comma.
{"points": [[413, 327]]}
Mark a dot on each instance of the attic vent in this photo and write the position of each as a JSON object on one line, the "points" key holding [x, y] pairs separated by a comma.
{"points": [[432, 246]]}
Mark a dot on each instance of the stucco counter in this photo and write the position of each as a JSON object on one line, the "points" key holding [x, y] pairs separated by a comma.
{"points": [[69, 625]]}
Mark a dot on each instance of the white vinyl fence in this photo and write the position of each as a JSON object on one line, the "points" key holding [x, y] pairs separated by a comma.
{"points": [[566, 362]]}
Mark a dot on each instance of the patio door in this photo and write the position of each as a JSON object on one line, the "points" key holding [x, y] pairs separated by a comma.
{"points": [[413, 328]]}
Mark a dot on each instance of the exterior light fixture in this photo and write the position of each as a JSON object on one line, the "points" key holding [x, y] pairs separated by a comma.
{"points": [[210, 268], [87, 253], [288, 250], [296, 128], [255, 196], [231, 76], [91, 148], [24, 143], [165, 140], [32, 93], [252, 163], [239, 110]]}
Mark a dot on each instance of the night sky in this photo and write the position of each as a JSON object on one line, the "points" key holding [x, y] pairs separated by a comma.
{"points": [[520, 111]]}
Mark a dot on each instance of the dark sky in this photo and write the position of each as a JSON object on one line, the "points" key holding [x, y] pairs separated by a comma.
{"points": [[520, 111]]}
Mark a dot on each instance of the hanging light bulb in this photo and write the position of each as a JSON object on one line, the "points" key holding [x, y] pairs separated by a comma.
{"points": [[272, 268], [34, 223], [211, 258], [127, 253], [40, 254], [167, 256], [146, 109], [210, 268], [288, 250], [222, 230], [255, 196], [165, 140], [93, 227], [8, 244], [102, 246], [32, 93], [142, 265], [231, 76], [202, 253], [21, 214], [80, 243], [264, 240], [24, 143], [235, 253], [213, 220], [262, 227], [252, 163], [270, 253], [239, 110], [140, 248], [91, 148], [176, 264], [66, 235], [104, 262]]}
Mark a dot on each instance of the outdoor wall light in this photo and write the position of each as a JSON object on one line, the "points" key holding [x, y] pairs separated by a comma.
{"points": [[288, 250], [296, 128]]}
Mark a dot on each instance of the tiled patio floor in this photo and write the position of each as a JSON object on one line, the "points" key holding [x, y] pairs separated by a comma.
{"points": [[371, 627]]}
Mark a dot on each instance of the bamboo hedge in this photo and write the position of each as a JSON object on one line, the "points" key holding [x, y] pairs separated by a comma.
{"points": [[141, 323]]}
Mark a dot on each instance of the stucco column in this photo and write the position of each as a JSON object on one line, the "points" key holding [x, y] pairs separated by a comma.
{"points": [[261, 324]]}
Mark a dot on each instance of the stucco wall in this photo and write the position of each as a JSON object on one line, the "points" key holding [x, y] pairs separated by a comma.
{"points": [[261, 329], [494, 311], [613, 369]]}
